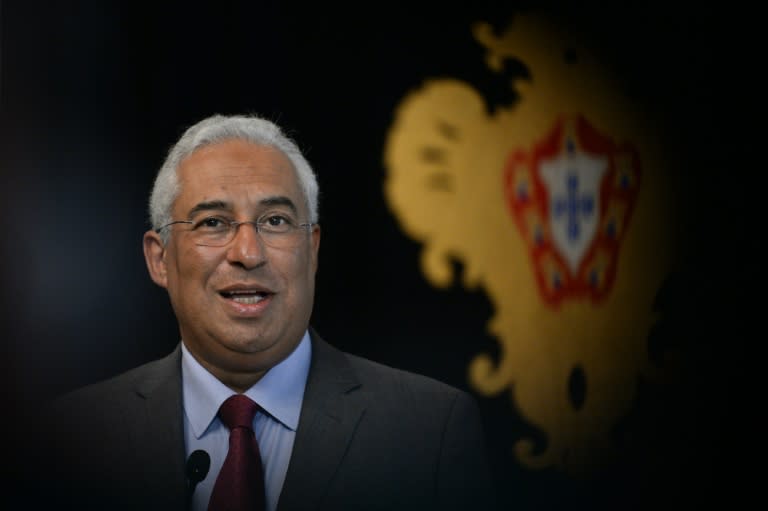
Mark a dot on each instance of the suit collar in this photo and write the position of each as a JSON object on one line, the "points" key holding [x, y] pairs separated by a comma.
{"points": [[162, 437], [160, 375], [333, 405]]}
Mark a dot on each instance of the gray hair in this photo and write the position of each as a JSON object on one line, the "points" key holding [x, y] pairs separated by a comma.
{"points": [[219, 128]]}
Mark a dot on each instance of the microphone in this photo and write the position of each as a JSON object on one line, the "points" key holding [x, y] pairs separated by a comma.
{"points": [[198, 464]]}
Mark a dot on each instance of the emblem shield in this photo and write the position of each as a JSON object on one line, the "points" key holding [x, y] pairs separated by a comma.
{"points": [[573, 183], [571, 195]]}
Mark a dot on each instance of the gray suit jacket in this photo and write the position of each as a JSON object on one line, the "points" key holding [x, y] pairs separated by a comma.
{"points": [[369, 437]]}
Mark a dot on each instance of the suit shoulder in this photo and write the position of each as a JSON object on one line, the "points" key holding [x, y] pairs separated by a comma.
{"points": [[142, 378], [331, 362], [405, 384], [448, 415]]}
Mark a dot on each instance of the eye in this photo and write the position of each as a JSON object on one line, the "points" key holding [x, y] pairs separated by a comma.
{"points": [[276, 222], [211, 223]]}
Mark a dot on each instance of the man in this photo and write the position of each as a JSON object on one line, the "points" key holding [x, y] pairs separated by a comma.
{"points": [[235, 241]]}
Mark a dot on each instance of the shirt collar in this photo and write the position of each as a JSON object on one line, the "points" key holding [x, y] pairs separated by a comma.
{"points": [[280, 391]]}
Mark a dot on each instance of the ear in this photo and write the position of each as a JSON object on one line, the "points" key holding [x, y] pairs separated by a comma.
{"points": [[315, 244], [154, 255]]}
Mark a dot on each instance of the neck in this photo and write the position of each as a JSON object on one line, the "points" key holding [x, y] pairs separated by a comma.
{"points": [[237, 380]]}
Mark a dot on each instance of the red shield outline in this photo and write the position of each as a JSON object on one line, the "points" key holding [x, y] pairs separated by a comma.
{"points": [[529, 203]]}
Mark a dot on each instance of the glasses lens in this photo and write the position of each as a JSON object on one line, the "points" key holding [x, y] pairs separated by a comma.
{"points": [[273, 234]]}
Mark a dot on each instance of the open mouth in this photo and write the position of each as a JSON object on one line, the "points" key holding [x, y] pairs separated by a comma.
{"points": [[245, 297]]}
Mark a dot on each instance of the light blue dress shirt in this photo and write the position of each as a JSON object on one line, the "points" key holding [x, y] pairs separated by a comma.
{"points": [[280, 392]]}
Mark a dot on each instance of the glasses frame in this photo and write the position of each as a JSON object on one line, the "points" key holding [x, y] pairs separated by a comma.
{"points": [[234, 225]]}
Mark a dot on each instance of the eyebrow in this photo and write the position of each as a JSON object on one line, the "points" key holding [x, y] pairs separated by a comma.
{"points": [[209, 205], [279, 200], [276, 200]]}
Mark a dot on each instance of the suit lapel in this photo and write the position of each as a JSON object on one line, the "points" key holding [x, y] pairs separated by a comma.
{"points": [[332, 407], [163, 437]]}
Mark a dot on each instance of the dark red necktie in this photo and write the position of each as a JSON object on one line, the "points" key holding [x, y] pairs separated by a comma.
{"points": [[240, 484]]}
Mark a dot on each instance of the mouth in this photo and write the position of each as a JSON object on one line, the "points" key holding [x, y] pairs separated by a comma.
{"points": [[246, 297]]}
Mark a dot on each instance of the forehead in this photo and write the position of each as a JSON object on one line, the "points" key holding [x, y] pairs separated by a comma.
{"points": [[239, 172]]}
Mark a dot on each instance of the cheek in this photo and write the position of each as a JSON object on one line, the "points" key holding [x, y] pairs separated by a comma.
{"points": [[296, 268], [193, 266]]}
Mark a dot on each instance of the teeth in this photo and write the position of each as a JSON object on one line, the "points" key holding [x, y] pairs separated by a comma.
{"points": [[247, 299]]}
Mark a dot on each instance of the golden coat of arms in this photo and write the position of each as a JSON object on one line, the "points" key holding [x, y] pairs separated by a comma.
{"points": [[558, 208]]}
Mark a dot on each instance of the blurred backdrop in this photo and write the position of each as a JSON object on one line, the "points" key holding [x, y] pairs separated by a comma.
{"points": [[606, 338]]}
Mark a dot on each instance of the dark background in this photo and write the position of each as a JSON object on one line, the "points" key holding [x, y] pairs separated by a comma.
{"points": [[92, 94]]}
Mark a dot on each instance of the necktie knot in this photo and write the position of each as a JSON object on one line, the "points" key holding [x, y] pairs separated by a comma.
{"points": [[238, 411]]}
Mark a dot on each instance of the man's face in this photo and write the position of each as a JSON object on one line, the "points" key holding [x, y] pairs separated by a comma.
{"points": [[243, 307]]}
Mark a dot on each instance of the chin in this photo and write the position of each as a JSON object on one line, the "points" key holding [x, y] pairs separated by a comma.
{"points": [[249, 344]]}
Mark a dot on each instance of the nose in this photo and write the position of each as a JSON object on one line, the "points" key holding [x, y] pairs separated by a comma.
{"points": [[246, 248]]}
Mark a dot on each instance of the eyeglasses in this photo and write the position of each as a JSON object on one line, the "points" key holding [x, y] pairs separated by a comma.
{"points": [[277, 230]]}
